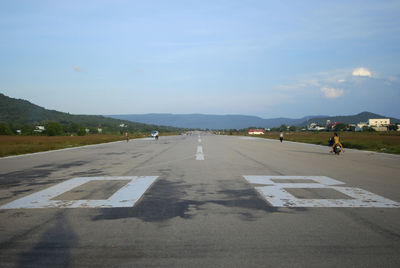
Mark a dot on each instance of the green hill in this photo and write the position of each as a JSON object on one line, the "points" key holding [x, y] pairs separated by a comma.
{"points": [[21, 112]]}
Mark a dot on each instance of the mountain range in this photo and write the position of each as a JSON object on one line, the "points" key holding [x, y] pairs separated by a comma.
{"points": [[18, 111], [204, 121], [21, 112]]}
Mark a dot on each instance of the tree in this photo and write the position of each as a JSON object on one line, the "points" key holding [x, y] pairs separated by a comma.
{"points": [[367, 128], [283, 127], [71, 128], [5, 129], [392, 127], [292, 128], [340, 127], [81, 131], [93, 130], [27, 129], [352, 128], [54, 129]]}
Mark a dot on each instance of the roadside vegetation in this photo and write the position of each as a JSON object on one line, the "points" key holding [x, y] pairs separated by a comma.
{"points": [[16, 138], [16, 145], [387, 142]]}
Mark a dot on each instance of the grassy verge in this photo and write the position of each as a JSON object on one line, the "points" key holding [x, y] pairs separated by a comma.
{"points": [[388, 142], [14, 145]]}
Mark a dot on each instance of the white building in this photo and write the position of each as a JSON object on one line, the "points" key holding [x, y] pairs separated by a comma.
{"points": [[256, 131], [361, 125], [315, 127], [379, 122], [39, 129]]}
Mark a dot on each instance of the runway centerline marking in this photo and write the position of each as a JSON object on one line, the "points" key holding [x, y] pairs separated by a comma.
{"points": [[199, 154], [276, 194], [126, 196]]}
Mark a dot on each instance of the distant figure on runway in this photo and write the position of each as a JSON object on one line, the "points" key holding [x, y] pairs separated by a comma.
{"points": [[281, 136], [127, 136]]}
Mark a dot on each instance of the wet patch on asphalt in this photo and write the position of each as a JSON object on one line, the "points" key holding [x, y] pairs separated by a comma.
{"points": [[56, 244], [90, 172], [244, 198], [163, 201], [71, 164], [166, 200], [30, 176]]}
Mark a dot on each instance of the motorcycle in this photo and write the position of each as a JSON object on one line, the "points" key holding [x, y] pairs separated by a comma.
{"points": [[337, 149]]}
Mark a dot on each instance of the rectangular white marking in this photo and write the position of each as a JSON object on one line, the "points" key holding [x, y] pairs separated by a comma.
{"points": [[199, 154], [277, 196], [124, 197]]}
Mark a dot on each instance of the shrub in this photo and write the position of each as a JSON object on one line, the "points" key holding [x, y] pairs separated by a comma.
{"points": [[54, 129], [5, 129]]}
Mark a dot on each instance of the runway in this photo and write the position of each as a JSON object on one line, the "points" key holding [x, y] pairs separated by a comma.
{"points": [[202, 201]]}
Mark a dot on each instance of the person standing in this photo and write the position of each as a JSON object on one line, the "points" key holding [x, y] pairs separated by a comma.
{"points": [[127, 136], [281, 136]]}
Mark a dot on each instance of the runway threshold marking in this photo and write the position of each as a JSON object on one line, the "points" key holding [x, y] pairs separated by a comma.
{"points": [[276, 192], [126, 196]]}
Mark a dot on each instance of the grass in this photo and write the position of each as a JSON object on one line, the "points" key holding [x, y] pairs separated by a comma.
{"points": [[15, 145], [388, 142]]}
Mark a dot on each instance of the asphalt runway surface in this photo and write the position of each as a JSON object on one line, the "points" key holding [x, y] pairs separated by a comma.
{"points": [[200, 201]]}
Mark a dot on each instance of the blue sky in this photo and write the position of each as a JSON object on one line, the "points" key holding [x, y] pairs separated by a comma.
{"points": [[264, 58]]}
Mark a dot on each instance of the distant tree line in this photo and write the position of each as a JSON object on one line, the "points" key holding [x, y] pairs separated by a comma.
{"points": [[59, 129], [22, 117], [338, 127]]}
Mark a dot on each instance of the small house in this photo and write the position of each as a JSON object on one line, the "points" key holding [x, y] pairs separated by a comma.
{"points": [[258, 131]]}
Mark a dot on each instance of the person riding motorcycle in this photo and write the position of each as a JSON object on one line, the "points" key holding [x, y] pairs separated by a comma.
{"points": [[336, 141]]}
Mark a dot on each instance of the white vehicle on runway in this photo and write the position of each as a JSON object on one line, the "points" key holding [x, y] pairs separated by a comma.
{"points": [[155, 134]]}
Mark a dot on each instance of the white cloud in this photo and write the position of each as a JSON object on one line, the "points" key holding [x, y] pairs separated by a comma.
{"points": [[332, 93], [77, 68], [341, 81], [362, 72]]}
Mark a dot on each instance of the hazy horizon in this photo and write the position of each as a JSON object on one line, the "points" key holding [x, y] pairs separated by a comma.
{"points": [[261, 58]]}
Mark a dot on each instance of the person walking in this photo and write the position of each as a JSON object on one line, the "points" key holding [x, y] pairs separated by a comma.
{"points": [[127, 136], [281, 136]]}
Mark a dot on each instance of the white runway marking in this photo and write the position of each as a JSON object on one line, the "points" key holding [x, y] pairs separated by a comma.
{"points": [[124, 197], [199, 154], [248, 138], [275, 193]]}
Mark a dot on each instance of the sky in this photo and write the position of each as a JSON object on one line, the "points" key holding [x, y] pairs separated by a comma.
{"points": [[263, 58]]}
